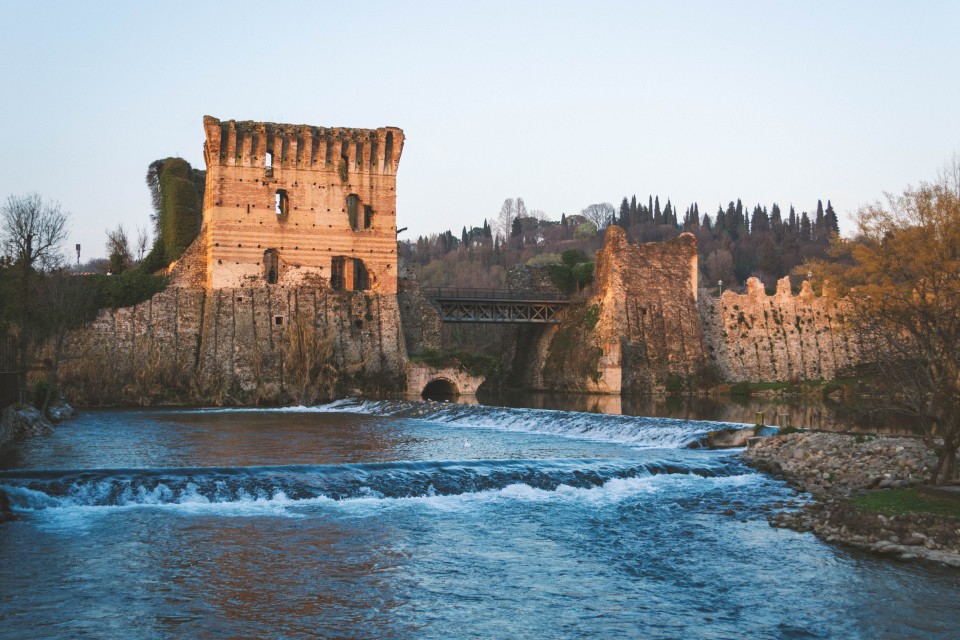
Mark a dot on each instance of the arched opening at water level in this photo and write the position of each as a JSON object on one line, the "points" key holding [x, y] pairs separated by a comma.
{"points": [[440, 389]]}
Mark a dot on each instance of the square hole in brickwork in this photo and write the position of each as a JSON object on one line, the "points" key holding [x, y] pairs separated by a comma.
{"points": [[278, 320]]}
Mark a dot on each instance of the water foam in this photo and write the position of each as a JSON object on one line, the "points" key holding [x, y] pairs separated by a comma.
{"points": [[251, 490], [635, 431]]}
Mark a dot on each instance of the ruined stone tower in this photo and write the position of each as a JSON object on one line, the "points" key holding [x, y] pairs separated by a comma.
{"points": [[296, 204]]}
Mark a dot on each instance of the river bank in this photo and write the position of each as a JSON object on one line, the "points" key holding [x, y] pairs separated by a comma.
{"points": [[853, 480]]}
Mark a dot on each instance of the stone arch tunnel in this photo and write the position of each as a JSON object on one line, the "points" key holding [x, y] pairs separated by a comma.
{"points": [[440, 389], [444, 383]]}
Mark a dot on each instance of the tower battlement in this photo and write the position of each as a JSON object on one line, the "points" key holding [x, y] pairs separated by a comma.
{"points": [[249, 143], [286, 204]]}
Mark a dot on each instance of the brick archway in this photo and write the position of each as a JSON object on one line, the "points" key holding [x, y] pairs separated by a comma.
{"points": [[440, 389]]}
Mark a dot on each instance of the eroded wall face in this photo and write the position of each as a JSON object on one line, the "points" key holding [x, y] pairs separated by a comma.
{"points": [[649, 327], [238, 346], [317, 197], [754, 337]]}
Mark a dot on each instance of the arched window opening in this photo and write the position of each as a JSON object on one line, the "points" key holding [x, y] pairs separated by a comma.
{"points": [[353, 211], [361, 277], [348, 274], [367, 216], [271, 266], [281, 203]]}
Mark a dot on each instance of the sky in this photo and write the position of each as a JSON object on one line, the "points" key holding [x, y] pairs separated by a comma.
{"points": [[564, 104]]}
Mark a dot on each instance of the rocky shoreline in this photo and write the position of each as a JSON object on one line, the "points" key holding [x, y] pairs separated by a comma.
{"points": [[26, 421], [834, 468]]}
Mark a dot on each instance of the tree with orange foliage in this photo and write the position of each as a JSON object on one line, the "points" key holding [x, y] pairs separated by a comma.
{"points": [[901, 279]]}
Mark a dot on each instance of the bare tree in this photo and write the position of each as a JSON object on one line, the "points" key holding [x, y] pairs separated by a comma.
{"points": [[143, 241], [950, 174], [118, 250], [32, 231], [31, 234], [600, 214], [508, 211]]}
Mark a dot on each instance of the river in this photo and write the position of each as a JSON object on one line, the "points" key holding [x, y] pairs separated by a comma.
{"points": [[390, 519]]}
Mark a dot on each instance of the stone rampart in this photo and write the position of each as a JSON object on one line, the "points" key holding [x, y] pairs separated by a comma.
{"points": [[640, 328], [238, 346], [759, 338]]}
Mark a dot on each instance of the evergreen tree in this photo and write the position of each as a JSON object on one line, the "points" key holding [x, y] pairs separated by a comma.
{"points": [[657, 214], [720, 225], [805, 231], [819, 230], [624, 213], [831, 222], [633, 210], [776, 223], [760, 222]]}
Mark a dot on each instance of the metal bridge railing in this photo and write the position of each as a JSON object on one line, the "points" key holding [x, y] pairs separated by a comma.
{"points": [[469, 293]]}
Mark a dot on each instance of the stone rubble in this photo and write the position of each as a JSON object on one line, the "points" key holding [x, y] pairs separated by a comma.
{"points": [[834, 468], [22, 422]]}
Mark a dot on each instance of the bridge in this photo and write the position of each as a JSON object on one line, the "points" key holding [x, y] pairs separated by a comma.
{"points": [[498, 305]]}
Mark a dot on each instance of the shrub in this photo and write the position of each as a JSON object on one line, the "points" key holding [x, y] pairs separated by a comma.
{"points": [[571, 257], [592, 316], [124, 290]]}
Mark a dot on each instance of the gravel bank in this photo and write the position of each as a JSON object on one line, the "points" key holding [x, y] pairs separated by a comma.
{"points": [[834, 467]]}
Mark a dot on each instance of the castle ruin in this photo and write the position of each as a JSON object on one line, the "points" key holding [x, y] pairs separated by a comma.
{"points": [[300, 205]]}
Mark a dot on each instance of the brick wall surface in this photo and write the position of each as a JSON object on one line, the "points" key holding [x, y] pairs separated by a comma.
{"points": [[317, 168]]}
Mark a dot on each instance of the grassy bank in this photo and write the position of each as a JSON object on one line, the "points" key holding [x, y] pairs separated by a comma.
{"points": [[895, 502]]}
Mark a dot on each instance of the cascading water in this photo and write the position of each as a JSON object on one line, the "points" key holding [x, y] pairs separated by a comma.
{"points": [[423, 520]]}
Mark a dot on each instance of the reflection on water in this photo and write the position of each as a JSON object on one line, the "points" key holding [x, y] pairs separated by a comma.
{"points": [[802, 412]]}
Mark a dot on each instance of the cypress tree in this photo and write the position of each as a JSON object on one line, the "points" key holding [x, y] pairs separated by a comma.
{"points": [[831, 222], [805, 232]]}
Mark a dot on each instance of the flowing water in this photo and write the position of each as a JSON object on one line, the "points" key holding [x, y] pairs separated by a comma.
{"points": [[411, 520]]}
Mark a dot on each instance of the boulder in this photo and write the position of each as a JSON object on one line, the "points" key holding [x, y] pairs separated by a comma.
{"points": [[60, 412], [729, 438], [23, 421]]}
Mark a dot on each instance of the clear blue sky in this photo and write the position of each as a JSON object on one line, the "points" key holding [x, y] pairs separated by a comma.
{"points": [[564, 104]]}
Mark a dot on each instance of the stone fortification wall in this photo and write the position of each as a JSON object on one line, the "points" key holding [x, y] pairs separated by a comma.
{"points": [[238, 346], [649, 325], [640, 328], [419, 318], [759, 338], [337, 191]]}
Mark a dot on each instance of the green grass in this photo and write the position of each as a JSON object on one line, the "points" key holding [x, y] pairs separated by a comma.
{"points": [[896, 502]]}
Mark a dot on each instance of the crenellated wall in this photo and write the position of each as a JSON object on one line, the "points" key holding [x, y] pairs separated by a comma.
{"points": [[319, 177], [756, 337]]}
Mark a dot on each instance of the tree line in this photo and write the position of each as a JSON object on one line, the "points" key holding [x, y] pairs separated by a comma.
{"points": [[735, 243]]}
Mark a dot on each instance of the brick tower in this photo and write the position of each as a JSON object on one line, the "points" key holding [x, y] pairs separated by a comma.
{"points": [[295, 204]]}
